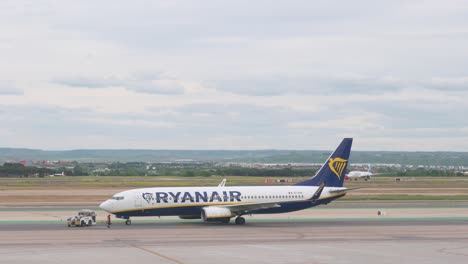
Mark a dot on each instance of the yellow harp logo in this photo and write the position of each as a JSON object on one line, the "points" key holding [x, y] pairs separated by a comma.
{"points": [[337, 165]]}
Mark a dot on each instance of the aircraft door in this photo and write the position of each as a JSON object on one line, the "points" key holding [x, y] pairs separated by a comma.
{"points": [[138, 200]]}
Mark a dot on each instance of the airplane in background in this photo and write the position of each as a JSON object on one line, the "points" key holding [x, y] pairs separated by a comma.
{"points": [[58, 174], [366, 175], [221, 203]]}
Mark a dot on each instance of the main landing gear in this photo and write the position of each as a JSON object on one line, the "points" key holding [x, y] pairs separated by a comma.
{"points": [[240, 220], [128, 221]]}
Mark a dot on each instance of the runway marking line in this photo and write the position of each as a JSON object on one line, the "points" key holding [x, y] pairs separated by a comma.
{"points": [[448, 251], [158, 254]]}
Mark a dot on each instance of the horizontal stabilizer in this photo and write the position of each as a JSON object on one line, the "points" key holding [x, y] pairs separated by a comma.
{"points": [[344, 190]]}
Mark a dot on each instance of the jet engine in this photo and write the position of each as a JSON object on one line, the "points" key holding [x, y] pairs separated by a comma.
{"points": [[216, 214]]}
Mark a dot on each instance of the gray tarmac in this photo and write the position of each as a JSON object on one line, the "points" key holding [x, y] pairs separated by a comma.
{"points": [[288, 238], [251, 224]]}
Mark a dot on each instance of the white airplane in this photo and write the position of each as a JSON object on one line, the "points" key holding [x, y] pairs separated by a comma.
{"points": [[361, 174], [57, 174], [221, 203]]}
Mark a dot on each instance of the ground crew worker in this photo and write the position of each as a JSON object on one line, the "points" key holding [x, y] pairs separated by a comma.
{"points": [[108, 221]]}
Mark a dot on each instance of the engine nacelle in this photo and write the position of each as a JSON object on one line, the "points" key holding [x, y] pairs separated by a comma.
{"points": [[215, 213]]}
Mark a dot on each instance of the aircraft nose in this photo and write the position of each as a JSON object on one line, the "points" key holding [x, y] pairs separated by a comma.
{"points": [[106, 206]]}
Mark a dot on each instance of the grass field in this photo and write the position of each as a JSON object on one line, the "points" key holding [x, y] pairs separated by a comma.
{"points": [[378, 188], [162, 181]]}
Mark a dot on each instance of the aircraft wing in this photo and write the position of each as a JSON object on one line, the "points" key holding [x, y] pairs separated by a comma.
{"points": [[246, 208], [382, 173], [344, 190]]}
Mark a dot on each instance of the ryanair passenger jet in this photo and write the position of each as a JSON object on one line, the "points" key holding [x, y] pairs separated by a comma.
{"points": [[221, 203]]}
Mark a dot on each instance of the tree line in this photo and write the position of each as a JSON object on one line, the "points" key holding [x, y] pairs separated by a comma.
{"points": [[136, 169], [19, 170]]}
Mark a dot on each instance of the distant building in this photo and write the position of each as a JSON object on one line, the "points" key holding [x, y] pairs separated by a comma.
{"points": [[101, 170]]}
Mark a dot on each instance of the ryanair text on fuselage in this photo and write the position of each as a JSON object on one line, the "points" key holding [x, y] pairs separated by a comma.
{"points": [[182, 197]]}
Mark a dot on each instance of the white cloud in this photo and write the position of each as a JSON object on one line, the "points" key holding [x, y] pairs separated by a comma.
{"points": [[357, 122], [127, 122], [234, 74], [9, 88], [151, 84]]}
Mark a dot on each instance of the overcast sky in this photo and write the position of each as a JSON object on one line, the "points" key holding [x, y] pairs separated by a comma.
{"points": [[237, 74]]}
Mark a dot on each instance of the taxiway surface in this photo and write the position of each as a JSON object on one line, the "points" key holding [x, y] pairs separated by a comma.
{"points": [[259, 241], [348, 232]]}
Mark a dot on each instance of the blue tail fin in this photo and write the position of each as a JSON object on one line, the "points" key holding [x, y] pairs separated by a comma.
{"points": [[332, 172]]}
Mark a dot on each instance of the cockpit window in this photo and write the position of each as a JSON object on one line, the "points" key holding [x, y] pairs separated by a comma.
{"points": [[117, 198]]}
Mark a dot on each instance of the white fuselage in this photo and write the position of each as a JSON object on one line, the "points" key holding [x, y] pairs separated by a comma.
{"points": [[187, 200]]}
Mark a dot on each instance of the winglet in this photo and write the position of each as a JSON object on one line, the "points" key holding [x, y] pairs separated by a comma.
{"points": [[221, 184]]}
